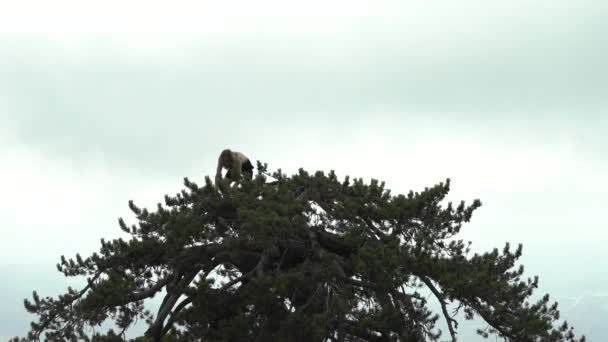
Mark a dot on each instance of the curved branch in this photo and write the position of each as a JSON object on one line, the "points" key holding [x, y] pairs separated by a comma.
{"points": [[155, 330], [174, 314]]}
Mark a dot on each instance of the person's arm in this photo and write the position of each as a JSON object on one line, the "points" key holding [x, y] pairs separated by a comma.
{"points": [[218, 172]]}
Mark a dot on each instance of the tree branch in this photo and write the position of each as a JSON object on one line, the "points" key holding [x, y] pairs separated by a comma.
{"points": [[53, 314], [174, 314], [170, 300], [370, 225], [362, 333], [493, 322], [155, 330], [444, 309], [137, 296]]}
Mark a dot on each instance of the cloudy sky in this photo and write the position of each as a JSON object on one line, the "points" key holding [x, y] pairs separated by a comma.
{"points": [[102, 103]]}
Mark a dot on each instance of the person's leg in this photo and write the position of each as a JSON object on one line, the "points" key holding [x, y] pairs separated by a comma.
{"points": [[247, 170]]}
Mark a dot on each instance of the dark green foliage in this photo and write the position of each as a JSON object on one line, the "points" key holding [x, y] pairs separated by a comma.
{"points": [[308, 258]]}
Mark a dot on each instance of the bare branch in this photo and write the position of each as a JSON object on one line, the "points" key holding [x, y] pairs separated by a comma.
{"points": [[441, 299]]}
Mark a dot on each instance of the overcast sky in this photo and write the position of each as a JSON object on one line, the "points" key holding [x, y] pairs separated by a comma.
{"points": [[104, 103]]}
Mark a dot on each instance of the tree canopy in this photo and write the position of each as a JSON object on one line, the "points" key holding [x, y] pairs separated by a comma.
{"points": [[307, 257]]}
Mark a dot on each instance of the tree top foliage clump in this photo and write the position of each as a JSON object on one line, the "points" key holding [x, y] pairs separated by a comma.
{"points": [[308, 257]]}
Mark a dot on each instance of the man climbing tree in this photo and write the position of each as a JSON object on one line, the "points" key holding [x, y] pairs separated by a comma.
{"points": [[237, 165], [345, 261]]}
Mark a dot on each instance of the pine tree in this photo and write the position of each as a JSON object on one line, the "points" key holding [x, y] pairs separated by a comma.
{"points": [[304, 258]]}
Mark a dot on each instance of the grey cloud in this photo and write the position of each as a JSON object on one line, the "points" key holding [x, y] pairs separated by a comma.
{"points": [[160, 109]]}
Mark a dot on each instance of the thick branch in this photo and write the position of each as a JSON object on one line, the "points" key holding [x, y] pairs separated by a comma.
{"points": [[333, 243], [174, 314], [155, 330], [259, 268]]}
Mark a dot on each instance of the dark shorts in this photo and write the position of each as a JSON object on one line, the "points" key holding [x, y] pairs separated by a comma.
{"points": [[247, 166]]}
